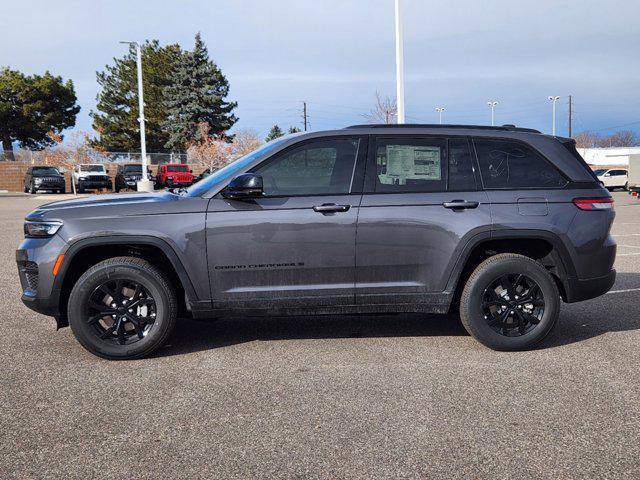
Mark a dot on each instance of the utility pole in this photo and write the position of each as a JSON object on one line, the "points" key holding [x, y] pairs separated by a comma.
{"points": [[304, 114], [554, 99], [493, 104], [144, 185], [399, 63], [570, 114]]}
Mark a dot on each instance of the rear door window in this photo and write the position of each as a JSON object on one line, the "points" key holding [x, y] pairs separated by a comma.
{"points": [[410, 165], [510, 165]]}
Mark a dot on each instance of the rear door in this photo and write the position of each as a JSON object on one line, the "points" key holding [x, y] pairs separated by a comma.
{"points": [[294, 247], [420, 207], [527, 192]]}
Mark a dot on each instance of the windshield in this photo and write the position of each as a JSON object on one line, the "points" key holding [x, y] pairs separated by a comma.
{"points": [[177, 168], [46, 171], [132, 168], [600, 172], [91, 168], [237, 166]]}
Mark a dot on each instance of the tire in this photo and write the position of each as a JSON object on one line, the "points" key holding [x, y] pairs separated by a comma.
{"points": [[477, 318], [626, 187], [32, 189], [97, 282]]}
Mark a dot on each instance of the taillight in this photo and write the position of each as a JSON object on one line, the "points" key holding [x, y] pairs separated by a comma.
{"points": [[593, 203]]}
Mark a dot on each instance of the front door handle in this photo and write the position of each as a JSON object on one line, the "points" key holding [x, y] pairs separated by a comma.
{"points": [[460, 204], [331, 208]]}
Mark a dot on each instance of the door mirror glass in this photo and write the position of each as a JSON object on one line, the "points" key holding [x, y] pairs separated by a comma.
{"points": [[247, 185]]}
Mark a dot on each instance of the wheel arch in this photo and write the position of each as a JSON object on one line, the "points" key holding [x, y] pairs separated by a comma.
{"points": [[541, 245], [89, 251]]}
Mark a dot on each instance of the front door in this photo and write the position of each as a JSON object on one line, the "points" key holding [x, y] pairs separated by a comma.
{"points": [[420, 207], [294, 247]]}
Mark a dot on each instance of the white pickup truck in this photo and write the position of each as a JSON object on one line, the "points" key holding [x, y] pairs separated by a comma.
{"points": [[91, 176]]}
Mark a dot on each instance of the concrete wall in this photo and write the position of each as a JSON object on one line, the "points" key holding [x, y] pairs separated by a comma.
{"points": [[12, 174]]}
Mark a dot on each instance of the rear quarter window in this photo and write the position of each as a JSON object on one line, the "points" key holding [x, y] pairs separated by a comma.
{"points": [[510, 165]]}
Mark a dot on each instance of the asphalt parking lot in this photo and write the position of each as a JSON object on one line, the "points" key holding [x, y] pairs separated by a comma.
{"points": [[326, 397]]}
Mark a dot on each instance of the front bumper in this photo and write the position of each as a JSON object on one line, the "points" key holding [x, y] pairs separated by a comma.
{"points": [[90, 183], [585, 289], [49, 185], [35, 259]]}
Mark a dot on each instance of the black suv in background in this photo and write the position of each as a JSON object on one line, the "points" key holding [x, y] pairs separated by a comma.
{"points": [[497, 223], [44, 178], [128, 175]]}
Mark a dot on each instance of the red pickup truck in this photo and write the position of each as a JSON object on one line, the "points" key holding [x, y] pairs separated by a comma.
{"points": [[172, 175]]}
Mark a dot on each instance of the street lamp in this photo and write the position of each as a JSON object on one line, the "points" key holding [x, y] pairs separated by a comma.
{"points": [[144, 185], [399, 63], [554, 99], [493, 105], [440, 111]]}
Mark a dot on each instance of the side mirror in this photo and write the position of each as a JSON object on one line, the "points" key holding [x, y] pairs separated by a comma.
{"points": [[190, 171], [607, 174], [247, 185], [107, 170]]}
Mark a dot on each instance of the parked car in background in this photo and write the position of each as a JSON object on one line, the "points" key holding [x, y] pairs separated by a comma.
{"points": [[204, 174], [613, 178], [496, 223], [128, 175], [44, 178], [91, 176], [174, 175]]}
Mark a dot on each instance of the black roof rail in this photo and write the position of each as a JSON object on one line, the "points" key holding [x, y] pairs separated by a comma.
{"points": [[508, 128]]}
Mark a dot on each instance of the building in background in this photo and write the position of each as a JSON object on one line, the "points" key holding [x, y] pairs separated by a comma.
{"points": [[618, 157]]}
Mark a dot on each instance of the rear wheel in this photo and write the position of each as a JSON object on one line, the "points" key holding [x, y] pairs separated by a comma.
{"points": [[510, 302], [122, 308]]}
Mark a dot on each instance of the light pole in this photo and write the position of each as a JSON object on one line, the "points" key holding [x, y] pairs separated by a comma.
{"points": [[440, 111], [493, 105], [144, 185], [554, 99], [399, 63]]}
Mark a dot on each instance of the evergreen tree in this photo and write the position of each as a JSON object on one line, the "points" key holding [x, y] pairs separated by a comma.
{"points": [[274, 133], [294, 130], [34, 107], [116, 119], [196, 96]]}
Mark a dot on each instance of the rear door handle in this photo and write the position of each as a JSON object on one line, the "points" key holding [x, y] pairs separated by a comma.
{"points": [[460, 204], [331, 208]]}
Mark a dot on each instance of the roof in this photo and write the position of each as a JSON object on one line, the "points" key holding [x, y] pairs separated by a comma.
{"points": [[507, 128]]}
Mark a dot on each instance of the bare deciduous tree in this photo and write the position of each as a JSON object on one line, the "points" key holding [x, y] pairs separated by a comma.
{"points": [[245, 141], [623, 138], [586, 139], [385, 111]]}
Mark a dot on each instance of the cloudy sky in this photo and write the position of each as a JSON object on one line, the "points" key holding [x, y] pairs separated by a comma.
{"points": [[335, 54]]}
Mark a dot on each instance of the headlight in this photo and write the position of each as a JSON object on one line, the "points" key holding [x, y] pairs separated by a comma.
{"points": [[41, 229], [37, 180], [169, 178]]}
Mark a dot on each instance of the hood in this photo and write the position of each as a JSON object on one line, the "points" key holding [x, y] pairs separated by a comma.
{"points": [[114, 206], [47, 175]]}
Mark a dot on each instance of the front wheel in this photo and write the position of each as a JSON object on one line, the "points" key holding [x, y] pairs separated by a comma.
{"points": [[122, 308], [510, 302]]}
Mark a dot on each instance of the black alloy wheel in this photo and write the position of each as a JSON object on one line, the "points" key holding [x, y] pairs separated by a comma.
{"points": [[121, 311], [513, 305]]}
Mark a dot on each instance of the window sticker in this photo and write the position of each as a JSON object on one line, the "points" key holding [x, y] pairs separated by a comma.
{"points": [[411, 162]]}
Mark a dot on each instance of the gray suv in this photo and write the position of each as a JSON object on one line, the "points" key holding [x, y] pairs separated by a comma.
{"points": [[498, 223]]}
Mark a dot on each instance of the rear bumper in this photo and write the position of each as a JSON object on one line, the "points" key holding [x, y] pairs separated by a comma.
{"points": [[579, 289]]}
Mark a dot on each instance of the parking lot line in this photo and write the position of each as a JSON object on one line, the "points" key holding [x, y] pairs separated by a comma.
{"points": [[626, 290]]}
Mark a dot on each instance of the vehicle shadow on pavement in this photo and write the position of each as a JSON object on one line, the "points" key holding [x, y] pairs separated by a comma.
{"points": [[618, 312], [197, 335], [615, 312]]}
